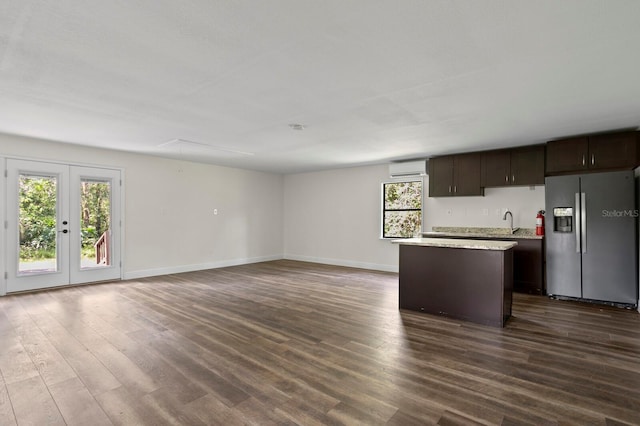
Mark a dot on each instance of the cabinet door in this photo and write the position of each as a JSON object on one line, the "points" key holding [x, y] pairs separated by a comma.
{"points": [[528, 269], [466, 174], [567, 155], [496, 168], [527, 166], [441, 176], [613, 150]]}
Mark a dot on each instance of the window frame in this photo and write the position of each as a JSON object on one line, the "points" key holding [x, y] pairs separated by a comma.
{"points": [[384, 210]]}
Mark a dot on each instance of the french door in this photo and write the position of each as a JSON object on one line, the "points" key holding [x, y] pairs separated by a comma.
{"points": [[63, 225]]}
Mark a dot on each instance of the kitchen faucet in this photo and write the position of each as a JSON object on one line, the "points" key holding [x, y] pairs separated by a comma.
{"points": [[511, 221]]}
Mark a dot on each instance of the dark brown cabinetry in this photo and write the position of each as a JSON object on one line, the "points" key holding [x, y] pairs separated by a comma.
{"points": [[527, 165], [439, 281], [608, 151], [440, 176], [613, 150], [496, 168], [528, 261], [567, 155], [528, 267], [455, 175], [518, 166]]}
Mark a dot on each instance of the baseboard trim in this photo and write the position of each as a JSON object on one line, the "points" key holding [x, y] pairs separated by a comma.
{"points": [[133, 275], [341, 262]]}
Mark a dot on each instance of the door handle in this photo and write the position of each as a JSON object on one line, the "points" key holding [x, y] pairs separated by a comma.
{"points": [[583, 220], [577, 229]]}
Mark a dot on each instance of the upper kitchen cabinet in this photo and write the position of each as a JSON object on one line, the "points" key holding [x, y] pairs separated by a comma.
{"points": [[496, 168], [613, 151], [527, 165], [609, 151], [455, 175], [440, 176], [567, 155], [517, 166], [466, 175]]}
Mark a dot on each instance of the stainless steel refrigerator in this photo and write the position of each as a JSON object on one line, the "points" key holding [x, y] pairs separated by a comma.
{"points": [[591, 237]]}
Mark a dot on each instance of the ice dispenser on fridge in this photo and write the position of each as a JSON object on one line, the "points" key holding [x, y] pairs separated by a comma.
{"points": [[563, 219]]}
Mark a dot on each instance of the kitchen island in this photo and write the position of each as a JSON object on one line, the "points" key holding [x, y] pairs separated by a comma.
{"points": [[528, 255], [470, 280]]}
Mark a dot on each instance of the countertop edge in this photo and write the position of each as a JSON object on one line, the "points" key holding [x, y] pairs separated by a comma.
{"points": [[482, 235], [458, 243]]}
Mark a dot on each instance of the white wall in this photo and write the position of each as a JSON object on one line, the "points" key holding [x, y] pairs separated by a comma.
{"points": [[169, 221], [486, 211], [331, 216], [334, 217]]}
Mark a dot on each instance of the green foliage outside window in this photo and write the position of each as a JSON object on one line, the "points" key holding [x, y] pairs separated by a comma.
{"points": [[37, 217], [38, 224], [402, 209], [95, 208]]}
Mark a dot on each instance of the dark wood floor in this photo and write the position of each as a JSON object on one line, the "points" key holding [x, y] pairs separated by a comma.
{"points": [[296, 343]]}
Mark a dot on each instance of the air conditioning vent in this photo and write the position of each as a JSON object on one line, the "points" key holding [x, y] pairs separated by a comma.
{"points": [[408, 169]]}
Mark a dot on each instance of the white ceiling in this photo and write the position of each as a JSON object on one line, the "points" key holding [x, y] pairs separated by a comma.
{"points": [[372, 81]]}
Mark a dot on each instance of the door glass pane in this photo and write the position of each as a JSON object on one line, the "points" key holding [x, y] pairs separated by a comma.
{"points": [[37, 224], [95, 217]]}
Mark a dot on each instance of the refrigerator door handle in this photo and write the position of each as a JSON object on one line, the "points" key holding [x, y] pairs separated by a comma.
{"points": [[583, 221], [577, 229]]}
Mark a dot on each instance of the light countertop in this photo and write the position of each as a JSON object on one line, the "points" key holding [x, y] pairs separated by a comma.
{"points": [[492, 233], [458, 243]]}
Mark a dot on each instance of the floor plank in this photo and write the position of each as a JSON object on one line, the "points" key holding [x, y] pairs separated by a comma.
{"points": [[6, 409], [77, 405], [33, 404], [289, 342]]}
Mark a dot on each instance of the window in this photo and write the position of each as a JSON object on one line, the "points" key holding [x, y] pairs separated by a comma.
{"points": [[401, 209]]}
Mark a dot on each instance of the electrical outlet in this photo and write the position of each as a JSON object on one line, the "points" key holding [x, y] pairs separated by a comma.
{"points": [[215, 211], [485, 212], [449, 212]]}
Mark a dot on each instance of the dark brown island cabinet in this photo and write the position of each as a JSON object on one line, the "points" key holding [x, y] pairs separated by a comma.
{"points": [[602, 152], [528, 260], [511, 167], [455, 175], [460, 279]]}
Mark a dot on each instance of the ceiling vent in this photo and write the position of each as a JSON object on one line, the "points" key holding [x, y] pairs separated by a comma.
{"points": [[188, 148], [408, 169]]}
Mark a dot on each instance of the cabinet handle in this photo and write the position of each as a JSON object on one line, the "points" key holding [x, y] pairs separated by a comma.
{"points": [[506, 178], [513, 178], [583, 163], [455, 189], [593, 159], [449, 189]]}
